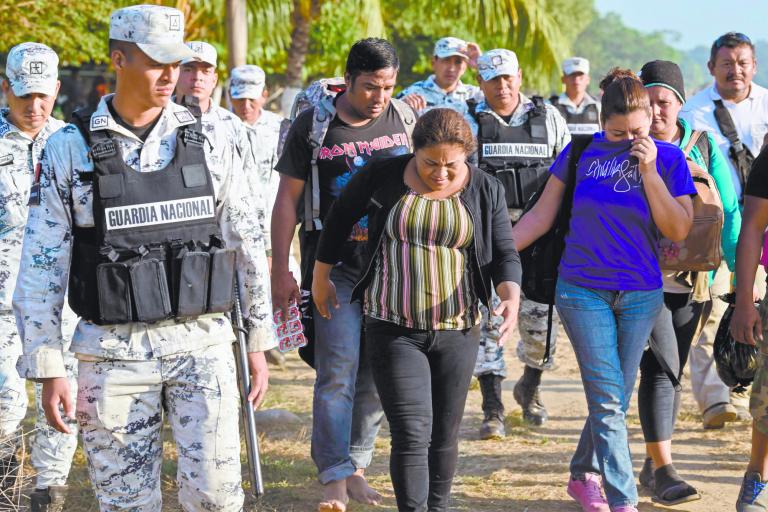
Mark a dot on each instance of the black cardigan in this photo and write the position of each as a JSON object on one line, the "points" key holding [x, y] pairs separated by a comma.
{"points": [[376, 189]]}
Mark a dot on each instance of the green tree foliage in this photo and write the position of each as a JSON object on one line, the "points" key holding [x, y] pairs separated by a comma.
{"points": [[75, 29], [608, 43], [539, 31]]}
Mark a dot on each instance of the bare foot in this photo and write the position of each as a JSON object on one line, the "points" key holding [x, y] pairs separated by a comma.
{"points": [[334, 497], [359, 490]]}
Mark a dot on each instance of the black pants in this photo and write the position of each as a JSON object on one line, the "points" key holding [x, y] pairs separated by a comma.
{"points": [[672, 335], [422, 378]]}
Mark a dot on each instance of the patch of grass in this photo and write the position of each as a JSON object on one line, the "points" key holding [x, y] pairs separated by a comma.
{"points": [[515, 424]]}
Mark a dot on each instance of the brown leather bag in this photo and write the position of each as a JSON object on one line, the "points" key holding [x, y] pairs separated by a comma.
{"points": [[701, 250]]}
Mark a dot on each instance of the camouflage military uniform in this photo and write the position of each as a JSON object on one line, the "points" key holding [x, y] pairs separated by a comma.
{"points": [[758, 400], [263, 136], [532, 319], [184, 364], [436, 97], [52, 451]]}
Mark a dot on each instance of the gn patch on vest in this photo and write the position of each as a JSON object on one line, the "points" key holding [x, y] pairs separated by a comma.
{"points": [[6, 159], [99, 122], [515, 150], [163, 212]]}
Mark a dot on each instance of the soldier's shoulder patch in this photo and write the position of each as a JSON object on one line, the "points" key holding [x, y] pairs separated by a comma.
{"points": [[184, 116], [98, 122], [6, 159]]}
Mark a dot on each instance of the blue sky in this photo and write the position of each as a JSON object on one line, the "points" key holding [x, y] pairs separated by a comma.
{"points": [[699, 22]]}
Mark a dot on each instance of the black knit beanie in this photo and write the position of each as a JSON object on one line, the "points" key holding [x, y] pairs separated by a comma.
{"points": [[665, 74]]}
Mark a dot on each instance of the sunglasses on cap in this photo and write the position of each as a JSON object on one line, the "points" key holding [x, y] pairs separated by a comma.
{"points": [[730, 38]]}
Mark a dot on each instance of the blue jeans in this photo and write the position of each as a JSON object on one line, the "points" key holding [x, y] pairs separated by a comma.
{"points": [[346, 411], [608, 330]]}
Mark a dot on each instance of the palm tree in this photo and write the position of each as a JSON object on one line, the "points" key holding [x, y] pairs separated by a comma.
{"points": [[279, 35]]}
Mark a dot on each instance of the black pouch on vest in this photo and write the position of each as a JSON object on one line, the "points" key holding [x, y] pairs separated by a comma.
{"points": [[192, 291], [222, 280], [531, 179], [150, 290], [509, 178], [114, 286]]}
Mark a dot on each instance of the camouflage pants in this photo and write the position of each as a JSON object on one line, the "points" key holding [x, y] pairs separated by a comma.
{"points": [[532, 324], [52, 451], [120, 408], [758, 400]]}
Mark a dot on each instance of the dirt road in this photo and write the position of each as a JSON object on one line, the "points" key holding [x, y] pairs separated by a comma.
{"points": [[528, 470]]}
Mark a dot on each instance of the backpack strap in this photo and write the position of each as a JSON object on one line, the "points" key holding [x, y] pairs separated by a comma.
{"points": [[407, 117], [693, 141], [705, 148], [700, 140], [321, 120], [578, 144], [739, 153]]}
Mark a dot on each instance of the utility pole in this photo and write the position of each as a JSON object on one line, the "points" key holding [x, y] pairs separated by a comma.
{"points": [[237, 32]]}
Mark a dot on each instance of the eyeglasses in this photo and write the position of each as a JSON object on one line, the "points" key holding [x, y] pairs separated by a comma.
{"points": [[731, 38]]}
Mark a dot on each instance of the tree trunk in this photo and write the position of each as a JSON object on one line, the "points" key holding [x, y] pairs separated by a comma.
{"points": [[237, 32], [297, 51]]}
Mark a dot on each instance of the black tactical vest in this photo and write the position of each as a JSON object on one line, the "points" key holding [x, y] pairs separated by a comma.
{"points": [[517, 155], [156, 250], [585, 123]]}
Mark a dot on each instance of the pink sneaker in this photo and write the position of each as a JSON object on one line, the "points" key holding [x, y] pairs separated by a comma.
{"points": [[588, 492]]}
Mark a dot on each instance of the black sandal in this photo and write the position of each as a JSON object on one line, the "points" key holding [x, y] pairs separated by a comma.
{"points": [[670, 489]]}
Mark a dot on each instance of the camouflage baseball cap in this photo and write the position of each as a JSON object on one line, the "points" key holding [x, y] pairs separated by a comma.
{"points": [[497, 62], [575, 65], [247, 82], [449, 46], [32, 68], [203, 51], [158, 31]]}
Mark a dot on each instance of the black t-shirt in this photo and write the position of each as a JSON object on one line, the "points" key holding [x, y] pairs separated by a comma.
{"points": [[139, 131], [757, 182], [345, 150]]}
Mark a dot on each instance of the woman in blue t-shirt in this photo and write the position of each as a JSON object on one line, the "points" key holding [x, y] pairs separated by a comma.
{"points": [[629, 189]]}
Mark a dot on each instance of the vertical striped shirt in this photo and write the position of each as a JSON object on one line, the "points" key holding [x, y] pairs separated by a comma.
{"points": [[421, 276]]}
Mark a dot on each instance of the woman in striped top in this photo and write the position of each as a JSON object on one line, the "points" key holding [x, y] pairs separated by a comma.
{"points": [[439, 234]]}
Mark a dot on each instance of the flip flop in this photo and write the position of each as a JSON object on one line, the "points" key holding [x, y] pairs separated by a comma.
{"points": [[675, 495]]}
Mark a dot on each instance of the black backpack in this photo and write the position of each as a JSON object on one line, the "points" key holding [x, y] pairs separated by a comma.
{"points": [[541, 259]]}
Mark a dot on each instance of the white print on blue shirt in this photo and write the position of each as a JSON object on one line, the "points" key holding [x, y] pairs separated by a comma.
{"points": [[629, 176]]}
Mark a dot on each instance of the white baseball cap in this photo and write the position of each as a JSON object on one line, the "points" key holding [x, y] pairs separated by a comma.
{"points": [[497, 62], [32, 68], [205, 53], [158, 31], [575, 65], [450, 46], [247, 82]]}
